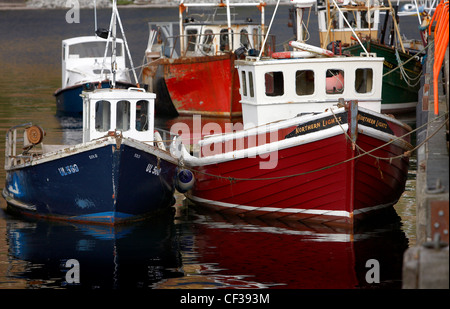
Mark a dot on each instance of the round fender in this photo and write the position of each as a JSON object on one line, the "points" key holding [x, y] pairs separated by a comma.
{"points": [[185, 180]]}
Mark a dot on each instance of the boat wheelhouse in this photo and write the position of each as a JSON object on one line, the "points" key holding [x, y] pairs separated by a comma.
{"points": [[274, 90], [193, 72], [84, 66]]}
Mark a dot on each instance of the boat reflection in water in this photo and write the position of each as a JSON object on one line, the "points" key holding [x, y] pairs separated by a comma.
{"points": [[122, 257], [205, 250], [234, 252]]}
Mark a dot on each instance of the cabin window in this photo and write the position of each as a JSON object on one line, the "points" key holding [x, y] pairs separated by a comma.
{"points": [[123, 115], [102, 116], [244, 84], [92, 50], [364, 80], [334, 81], [255, 38], [192, 39], [224, 39], [208, 41], [350, 16], [304, 82], [367, 19], [142, 115], [274, 84], [244, 38], [250, 84]]}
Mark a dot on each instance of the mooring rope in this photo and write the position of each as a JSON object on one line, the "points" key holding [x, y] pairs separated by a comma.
{"points": [[401, 64], [363, 153]]}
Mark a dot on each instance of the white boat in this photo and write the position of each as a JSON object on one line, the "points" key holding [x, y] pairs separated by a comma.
{"points": [[86, 63]]}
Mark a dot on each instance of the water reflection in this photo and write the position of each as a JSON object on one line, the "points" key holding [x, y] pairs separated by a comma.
{"points": [[133, 256], [294, 255], [204, 250]]}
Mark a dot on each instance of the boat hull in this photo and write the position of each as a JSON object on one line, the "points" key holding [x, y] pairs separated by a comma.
{"points": [[104, 183], [319, 177], [206, 86], [397, 95], [69, 102]]}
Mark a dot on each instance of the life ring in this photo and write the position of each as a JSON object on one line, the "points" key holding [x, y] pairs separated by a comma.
{"points": [[293, 54], [310, 48], [158, 140], [35, 134]]}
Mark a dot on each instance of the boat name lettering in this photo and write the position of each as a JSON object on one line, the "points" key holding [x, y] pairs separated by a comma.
{"points": [[317, 125], [68, 170], [154, 170], [374, 122], [388, 64]]}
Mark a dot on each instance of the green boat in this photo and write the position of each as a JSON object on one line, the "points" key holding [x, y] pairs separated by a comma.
{"points": [[347, 28], [401, 76]]}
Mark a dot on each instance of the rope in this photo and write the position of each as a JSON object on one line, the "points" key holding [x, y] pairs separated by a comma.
{"points": [[363, 153], [402, 64], [405, 76]]}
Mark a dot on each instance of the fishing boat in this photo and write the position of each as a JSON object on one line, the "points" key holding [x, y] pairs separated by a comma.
{"points": [[121, 171], [86, 64], [354, 27], [314, 144], [200, 78]]}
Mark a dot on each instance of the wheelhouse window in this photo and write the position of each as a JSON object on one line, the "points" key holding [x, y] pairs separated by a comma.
{"points": [[92, 50], [334, 81], [192, 39], [123, 115], [142, 116], [102, 116], [244, 84], [244, 38], [304, 82], [207, 44], [250, 84], [224, 39], [364, 80], [274, 83]]}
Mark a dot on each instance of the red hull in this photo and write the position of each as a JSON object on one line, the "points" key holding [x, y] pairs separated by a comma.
{"points": [[341, 194], [204, 85]]}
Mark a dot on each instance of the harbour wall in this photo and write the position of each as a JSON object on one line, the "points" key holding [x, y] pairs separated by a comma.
{"points": [[426, 265]]}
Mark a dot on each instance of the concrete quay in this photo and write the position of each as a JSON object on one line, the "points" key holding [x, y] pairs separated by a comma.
{"points": [[426, 265]]}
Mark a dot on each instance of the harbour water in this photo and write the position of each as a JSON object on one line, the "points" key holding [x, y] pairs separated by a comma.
{"points": [[191, 249]]}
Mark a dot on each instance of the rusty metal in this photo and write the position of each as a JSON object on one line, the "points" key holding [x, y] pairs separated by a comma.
{"points": [[439, 219]]}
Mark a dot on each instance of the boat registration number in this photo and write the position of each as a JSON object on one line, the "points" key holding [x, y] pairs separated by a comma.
{"points": [[68, 170], [152, 169]]}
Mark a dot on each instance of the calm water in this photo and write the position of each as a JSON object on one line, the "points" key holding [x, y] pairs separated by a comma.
{"points": [[191, 249]]}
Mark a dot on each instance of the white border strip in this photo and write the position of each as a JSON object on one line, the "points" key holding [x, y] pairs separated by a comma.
{"points": [[336, 213]]}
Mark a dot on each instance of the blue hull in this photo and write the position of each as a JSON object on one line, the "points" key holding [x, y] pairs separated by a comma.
{"points": [[69, 102], [107, 184]]}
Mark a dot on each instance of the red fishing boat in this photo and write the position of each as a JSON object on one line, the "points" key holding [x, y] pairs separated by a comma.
{"points": [[201, 78], [305, 152]]}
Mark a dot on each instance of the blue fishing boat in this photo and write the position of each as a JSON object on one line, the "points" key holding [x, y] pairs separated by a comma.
{"points": [[120, 172]]}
